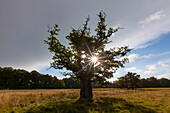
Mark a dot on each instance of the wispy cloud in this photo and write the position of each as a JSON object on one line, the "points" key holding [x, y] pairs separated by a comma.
{"points": [[149, 72], [133, 69], [36, 65], [130, 69], [165, 75], [162, 64], [133, 57], [145, 32], [147, 56], [155, 55], [156, 16], [151, 67], [156, 68]]}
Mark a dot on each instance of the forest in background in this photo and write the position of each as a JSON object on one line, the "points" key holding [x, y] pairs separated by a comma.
{"points": [[21, 79]]}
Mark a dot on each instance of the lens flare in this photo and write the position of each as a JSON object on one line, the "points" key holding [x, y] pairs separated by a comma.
{"points": [[94, 59]]}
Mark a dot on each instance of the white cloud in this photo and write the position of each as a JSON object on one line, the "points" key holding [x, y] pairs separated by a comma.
{"points": [[130, 69], [155, 55], [162, 64], [154, 69], [160, 69], [156, 16], [150, 72], [142, 36], [165, 75], [133, 57], [151, 67], [165, 53], [157, 68], [133, 69], [147, 56], [29, 66]]}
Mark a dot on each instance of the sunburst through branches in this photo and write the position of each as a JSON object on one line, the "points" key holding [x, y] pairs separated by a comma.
{"points": [[90, 61], [94, 59]]}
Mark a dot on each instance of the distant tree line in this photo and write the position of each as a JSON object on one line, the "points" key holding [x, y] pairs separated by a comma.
{"points": [[133, 81], [21, 79]]}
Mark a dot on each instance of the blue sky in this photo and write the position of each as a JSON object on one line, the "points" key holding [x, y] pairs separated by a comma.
{"points": [[23, 27]]}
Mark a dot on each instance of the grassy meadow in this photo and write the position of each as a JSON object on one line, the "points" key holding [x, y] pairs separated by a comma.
{"points": [[106, 100]]}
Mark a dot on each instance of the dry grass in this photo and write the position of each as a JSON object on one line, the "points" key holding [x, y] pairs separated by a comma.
{"points": [[25, 97], [157, 99], [154, 98]]}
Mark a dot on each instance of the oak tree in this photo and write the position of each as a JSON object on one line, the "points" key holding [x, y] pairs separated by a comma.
{"points": [[86, 56]]}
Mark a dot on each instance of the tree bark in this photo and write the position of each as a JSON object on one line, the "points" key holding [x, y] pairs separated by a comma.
{"points": [[86, 89]]}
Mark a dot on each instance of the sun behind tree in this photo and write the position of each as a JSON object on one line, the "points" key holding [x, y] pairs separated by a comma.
{"points": [[94, 59], [86, 56]]}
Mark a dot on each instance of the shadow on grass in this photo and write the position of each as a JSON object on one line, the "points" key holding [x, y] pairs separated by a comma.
{"points": [[99, 105]]}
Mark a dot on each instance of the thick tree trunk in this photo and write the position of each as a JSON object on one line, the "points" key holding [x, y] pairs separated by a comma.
{"points": [[86, 89]]}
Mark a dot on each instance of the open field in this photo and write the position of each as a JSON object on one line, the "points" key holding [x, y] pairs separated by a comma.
{"points": [[151, 100]]}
